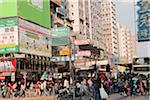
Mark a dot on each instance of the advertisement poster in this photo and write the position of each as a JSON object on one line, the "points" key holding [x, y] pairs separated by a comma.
{"points": [[60, 36], [34, 39], [9, 35], [37, 11], [8, 8], [7, 65]]}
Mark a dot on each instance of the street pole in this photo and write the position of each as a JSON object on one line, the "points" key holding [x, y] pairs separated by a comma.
{"points": [[70, 62], [71, 68]]}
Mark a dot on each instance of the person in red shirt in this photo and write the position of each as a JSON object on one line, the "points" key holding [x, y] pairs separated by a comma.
{"points": [[10, 88], [37, 87]]}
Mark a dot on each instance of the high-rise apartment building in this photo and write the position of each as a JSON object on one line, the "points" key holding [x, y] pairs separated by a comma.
{"points": [[131, 41], [77, 14], [86, 20], [108, 15], [126, 42], [95, 19]]}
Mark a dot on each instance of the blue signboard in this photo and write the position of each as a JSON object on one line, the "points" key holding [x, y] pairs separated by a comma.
{"points": [[143, 20], [116, 60]]}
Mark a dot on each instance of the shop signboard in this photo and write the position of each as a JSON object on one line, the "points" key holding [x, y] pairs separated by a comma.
{"points": [[102, 62], [121, 68], [102, 54], [58, 2], [9, 35], [8, 8], [13, 76], [123, 60], [82, 42], [84, 53], [7, 65], [34, 39], [65, 58], [143, 20], [2, 77], [37, 11], [60, 36], [65, 52], [57, 75], [141, 69], [116, 60]]}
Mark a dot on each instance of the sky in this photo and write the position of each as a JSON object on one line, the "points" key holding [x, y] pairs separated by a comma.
{"points": [[125, 13]]}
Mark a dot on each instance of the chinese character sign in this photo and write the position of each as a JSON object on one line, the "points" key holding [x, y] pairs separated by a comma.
{"points": [[144, 20]]}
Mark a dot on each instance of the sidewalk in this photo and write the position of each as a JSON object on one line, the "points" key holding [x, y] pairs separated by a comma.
{"points": [[40, 98], [31, 98]]}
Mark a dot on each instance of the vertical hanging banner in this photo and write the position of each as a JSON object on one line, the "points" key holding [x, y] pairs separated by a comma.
{"points": [[9, 35], [143, 20]]}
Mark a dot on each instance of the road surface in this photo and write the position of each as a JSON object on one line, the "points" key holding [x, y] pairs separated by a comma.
{"points": [[120, 97], [111, 97]]}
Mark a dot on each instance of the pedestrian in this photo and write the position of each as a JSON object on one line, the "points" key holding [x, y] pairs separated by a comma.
{"points": [[126, 87], [31, 87], [22, 90], [37, 88], [141, 87], [107, 85], [41, 88], [131, 86], [66, 83], [97, 86], [90, 86], [10, 88], [45, 85], [121, 86], [147, 86]]}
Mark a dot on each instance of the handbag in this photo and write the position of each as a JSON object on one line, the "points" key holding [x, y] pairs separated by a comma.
{"points": [[103, 93]]}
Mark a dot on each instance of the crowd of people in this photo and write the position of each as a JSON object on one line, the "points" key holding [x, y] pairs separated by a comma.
{"points": [[19, 89], [95, 88]]}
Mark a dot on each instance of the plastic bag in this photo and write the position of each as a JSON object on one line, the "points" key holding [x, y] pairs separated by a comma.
{"points": [[103, 93]]}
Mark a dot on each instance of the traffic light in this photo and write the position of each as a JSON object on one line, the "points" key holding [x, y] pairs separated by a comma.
{"points": [[107, 68]]}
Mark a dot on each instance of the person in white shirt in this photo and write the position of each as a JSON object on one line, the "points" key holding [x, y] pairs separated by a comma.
{"points": [[66, 83], [44, 85], [90, 82]]}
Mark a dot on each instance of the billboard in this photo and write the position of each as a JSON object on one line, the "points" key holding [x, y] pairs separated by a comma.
{"points": [[37, 11], [9, 35], [60, 36], [8, 8], [143, 20], [34, 39]]}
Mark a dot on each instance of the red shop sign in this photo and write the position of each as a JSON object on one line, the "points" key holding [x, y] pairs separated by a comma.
{"points": [[7, 65], [2, 77]]}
